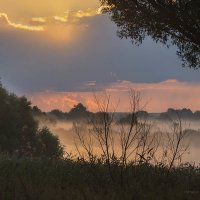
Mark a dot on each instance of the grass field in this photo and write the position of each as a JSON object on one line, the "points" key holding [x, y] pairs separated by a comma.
{"points": [[27, 179]]}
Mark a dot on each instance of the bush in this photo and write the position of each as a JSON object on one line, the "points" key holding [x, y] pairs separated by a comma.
{"points": [[19, 133]]}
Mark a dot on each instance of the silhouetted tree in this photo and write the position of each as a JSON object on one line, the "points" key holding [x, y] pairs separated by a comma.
{"points": [[197, 115], [37, 111], [48, 145], [78, 108], [57, 113], [172, 113], [19, 133], [137, 115], [17, 126], [78, 111], [175, 22]]}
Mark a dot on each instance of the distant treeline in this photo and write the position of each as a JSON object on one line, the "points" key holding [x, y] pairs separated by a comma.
{"points": [[79, 111]]}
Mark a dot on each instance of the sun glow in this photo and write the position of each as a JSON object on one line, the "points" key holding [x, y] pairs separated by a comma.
{"points": [[58, 33], [156, 96], [58, 20]]}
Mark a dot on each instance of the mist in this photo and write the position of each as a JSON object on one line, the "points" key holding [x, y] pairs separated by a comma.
{"points": [[66, 132]]}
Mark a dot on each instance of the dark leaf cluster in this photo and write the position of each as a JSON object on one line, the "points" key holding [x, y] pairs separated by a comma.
{"points": [[171, 22]]}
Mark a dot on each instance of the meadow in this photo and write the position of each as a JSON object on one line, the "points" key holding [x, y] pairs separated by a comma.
{"points": [[29, 179], [102, 157]]}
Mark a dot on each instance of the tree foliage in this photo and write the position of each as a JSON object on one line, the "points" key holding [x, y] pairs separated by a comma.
{"points": [[171, 22], [48, 145], [79, 111], [19, 132]]}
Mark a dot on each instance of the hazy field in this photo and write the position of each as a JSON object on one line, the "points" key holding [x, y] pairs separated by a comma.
{"points": [[66, 133]]}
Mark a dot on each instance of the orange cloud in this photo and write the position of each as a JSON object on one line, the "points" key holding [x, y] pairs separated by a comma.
{"points": [[156, 96]]}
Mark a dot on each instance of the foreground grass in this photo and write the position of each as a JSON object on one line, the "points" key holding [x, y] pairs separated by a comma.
{"points": [[27, 179]]}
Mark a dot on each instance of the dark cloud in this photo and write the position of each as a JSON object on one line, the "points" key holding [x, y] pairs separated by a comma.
{"points": [[29, 62]]}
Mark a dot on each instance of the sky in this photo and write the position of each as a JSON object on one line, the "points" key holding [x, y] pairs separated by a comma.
{"points": [[59, 53]]}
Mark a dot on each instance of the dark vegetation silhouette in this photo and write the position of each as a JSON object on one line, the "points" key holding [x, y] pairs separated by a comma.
{"points": [[33, 165], [78, 112], [171, 22], [83, 114], [25, 179], [19, 131], [184, 113]]}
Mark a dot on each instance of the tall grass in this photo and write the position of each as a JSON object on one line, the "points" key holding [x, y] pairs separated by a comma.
{"points": [[28, 179]]}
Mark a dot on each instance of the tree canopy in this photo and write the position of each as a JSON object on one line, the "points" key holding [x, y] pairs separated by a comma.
{"points": [[19, 132], [171, 22], [79, 111]]}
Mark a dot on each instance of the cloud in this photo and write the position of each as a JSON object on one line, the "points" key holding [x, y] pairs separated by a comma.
{"points": [[45, 23], [38, 21], [61, 19], [24, 9], [156, 96], [64, 56], [4, 17], [87, 13]]}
